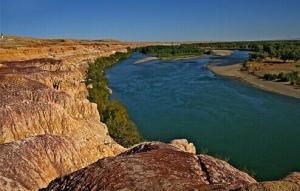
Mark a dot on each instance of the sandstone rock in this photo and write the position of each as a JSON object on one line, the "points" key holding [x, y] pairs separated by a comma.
{"points": [[184, 145], [46, 132], [154, 166], [293, 177]]}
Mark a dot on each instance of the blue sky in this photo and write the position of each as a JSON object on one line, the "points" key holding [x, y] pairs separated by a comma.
{"points": [[152, 20]]}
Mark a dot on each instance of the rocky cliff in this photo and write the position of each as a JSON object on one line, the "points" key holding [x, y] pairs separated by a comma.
{"points": [[48, 129]]}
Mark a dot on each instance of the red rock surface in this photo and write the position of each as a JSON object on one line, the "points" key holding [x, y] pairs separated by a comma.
{"points": [[155, 166]]}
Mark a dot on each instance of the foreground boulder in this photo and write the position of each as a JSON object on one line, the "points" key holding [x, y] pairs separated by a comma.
{"points": [[155, 166]]}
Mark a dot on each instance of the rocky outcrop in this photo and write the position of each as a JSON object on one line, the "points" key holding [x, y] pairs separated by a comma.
{"points": [[155, 166], [184, 145], [47, 126]]}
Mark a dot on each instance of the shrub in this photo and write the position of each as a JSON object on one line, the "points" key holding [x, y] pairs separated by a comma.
{"points": [[120, 127], [270, 77], [291, 77], [245, 66], [112, 112], [257, 56], [283, 77]]}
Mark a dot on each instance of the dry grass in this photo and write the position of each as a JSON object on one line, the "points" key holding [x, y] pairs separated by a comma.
{"points": [[272, 67]]}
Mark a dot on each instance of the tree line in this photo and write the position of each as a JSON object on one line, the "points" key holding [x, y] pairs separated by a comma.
{"points": [[172, 51], [285, 49]]}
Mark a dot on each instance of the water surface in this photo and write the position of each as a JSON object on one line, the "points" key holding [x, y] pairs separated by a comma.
{"points": [[183, 99]]}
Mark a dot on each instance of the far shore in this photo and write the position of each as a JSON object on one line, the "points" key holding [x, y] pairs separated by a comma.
{"points": [[234, 71], [215, 52]]}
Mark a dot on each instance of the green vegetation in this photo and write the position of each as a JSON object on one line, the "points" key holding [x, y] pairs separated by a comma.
{"points": [[291, 77], [112, 112], [285, 50], [173, 51], [270, 77]]}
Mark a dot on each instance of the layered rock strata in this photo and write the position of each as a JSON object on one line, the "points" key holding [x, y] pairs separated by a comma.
{"points": [[47, 126]]}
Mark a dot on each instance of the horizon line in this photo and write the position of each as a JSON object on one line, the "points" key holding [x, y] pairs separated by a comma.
{"points": [[145, 41]]}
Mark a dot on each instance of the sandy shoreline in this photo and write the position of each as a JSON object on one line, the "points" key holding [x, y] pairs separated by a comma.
{"points": [[221, 52], [146, 59], [152, 58], [185, 57], [233, 71]]}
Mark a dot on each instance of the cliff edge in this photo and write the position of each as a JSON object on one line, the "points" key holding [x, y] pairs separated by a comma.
{"points": [[47, 126]]}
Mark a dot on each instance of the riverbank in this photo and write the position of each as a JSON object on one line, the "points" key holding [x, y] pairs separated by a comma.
{"points": [[112, 112], [234, 71]]}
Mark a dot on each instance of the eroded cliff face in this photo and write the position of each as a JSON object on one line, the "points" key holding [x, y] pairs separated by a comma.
{"points": [[48, 131]]}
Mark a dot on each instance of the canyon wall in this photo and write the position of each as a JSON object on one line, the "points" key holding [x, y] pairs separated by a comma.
{"points": [[47, 126]]}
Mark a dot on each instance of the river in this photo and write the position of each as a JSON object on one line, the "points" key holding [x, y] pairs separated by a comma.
{"points": [[256, 129]]}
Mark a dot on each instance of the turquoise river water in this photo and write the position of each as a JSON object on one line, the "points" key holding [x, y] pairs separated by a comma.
{"points": [[183, 99]]}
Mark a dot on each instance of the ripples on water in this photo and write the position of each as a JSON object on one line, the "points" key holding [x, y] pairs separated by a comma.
{"points": [[182, 99]]}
